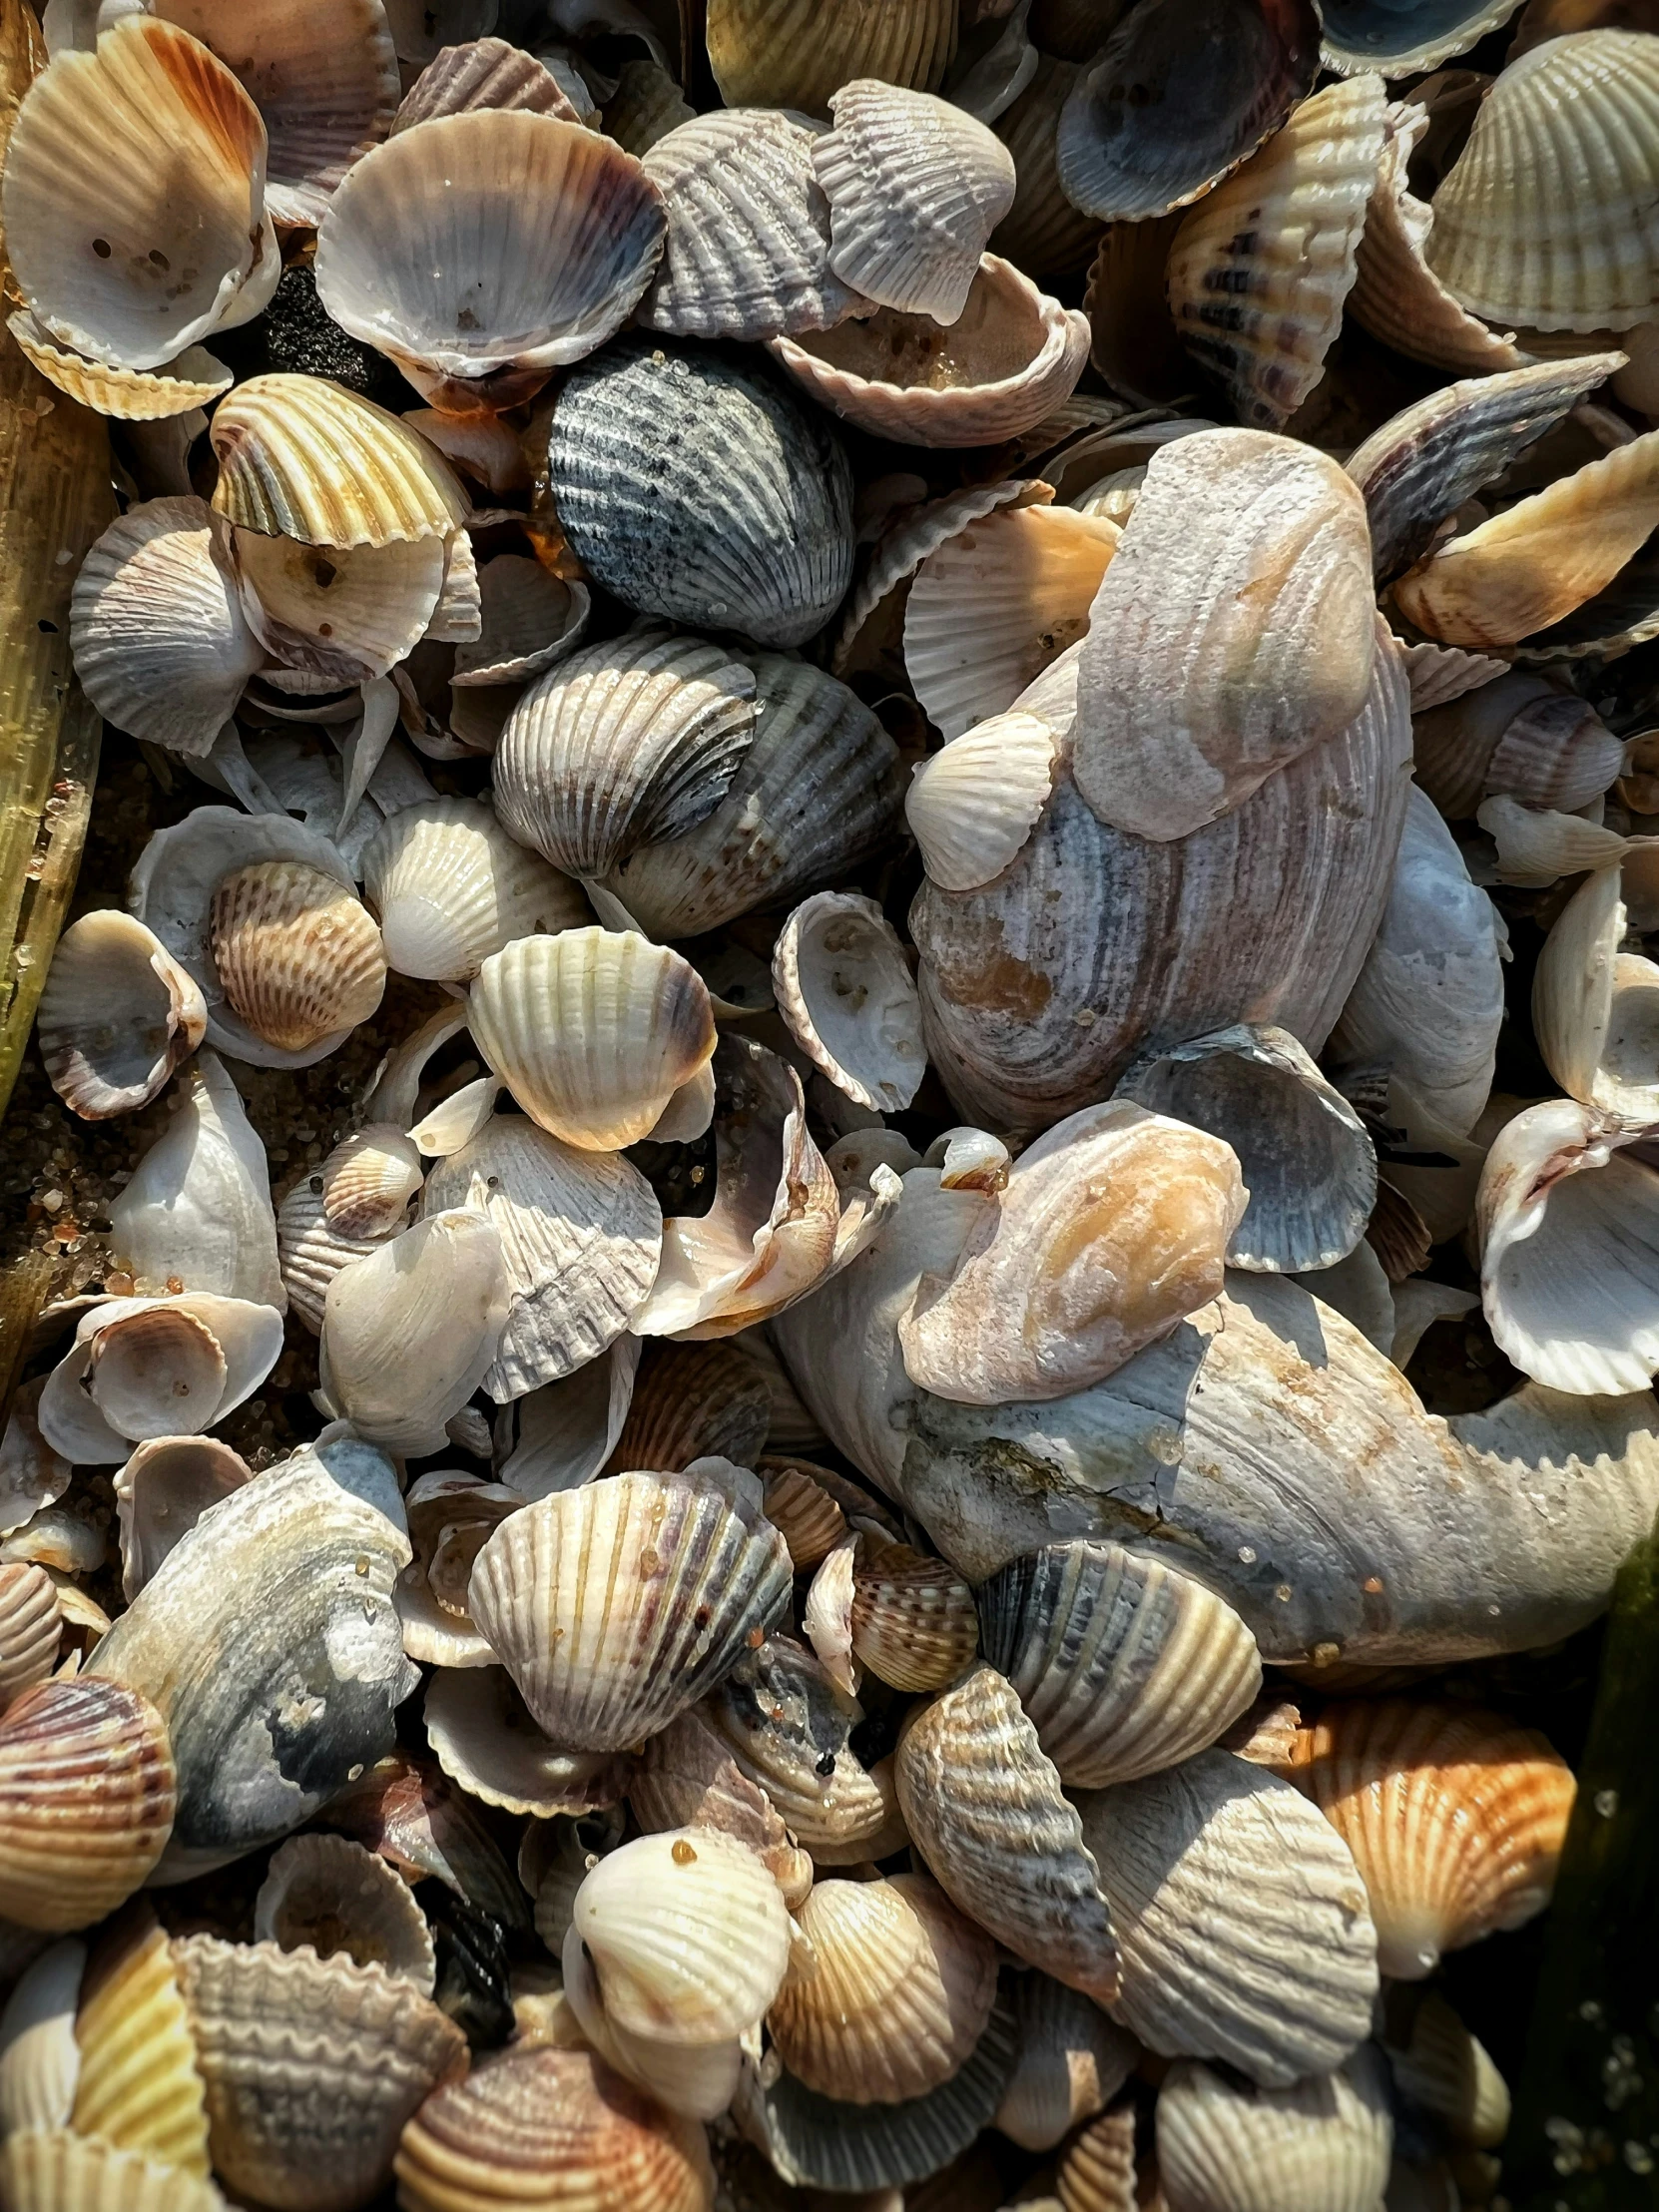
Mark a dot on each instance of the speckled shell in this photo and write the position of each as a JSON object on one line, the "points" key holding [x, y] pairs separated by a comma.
{"points": [[913, 1621], [139, 2085], [844, 988], [300, 959], [1072, 2062], [88, 1794], [1316, 2146], [795, 53]]}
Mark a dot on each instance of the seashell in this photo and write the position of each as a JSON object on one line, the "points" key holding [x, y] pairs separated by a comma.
{"points": [[561, 1435], [484, 447], [1072, 2062], [136, 1362], [844, 991], [410, 1332], [117, 1015], [132, 257], [559, 2123], [195, 379], [1124, 1666], [631, 741], [803, 1511], [1439, 674], [156, 629], [1538, 848], [292, 1574], [368, 1179], [972, 805], [451, 888], [826, 1616], [52, 2170], [747, 253], [553, 1861], [1312, 2146], [450, 1518], [1455, 1820], [695, 1571], [1042, 233], [687, 1779], [1273, 531], [989, 1816], [1519, 737], [697, 2080], [686, 1934], [330, 1895], [692, 1401], [482, 72], [346, 616], [40, 2059], [787, 1726], [1134, 343], [915, 188], [1112, 1226], [195, 1213], [406, 1812], [136, 2085], [815, 792], [1398, 42], [640, 466], [1545, 218], [163, 1491], [299, 958], [516, 294], [32, 1474], [1283, 1981], [1010, 358], [31, 1624], [301, 457], [1175, 100], [86, 1798], [311, 2067], [1445, 2071], [645, 107], [1359, 1288], [486, 1741], [530, 620], [913, 1622], [1309, 1167], [1592, 1005], [773, 53], [310, 1253], [1096, 2170]]}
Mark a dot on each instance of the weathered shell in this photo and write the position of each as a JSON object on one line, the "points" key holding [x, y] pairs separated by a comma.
{"points": [[694, 1401], [452, 1516], [1072, 2062], [31, 1625], [138, 2087], [88, 1791], [1521, 737], [697, 2080], [643, 463], [696, 1570], [1282, 1983], [787, 1726], [311, 1252], [52, 2170], [117, 1015], [1593, 1004], [163, 1491], [330, 1894], [913, 1618], [484, 1739], [299, 958], [559, 1436], [155, 1367], [1123, 1665], [480, 73], [195, 379], [972, 804], [844, 991], [1315, 2147], [779, 53]]}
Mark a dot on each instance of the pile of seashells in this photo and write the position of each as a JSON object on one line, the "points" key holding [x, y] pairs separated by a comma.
{"points": [[944, 843]]}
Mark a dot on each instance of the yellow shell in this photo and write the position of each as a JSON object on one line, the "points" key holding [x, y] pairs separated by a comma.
{"points": [[298, 957], [55, 2171], [795, 53], [139, 2087]]}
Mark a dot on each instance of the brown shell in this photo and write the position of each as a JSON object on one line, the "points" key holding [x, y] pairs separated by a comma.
{"points": [[795, 53], [913, 1618], [692, 1401], [300, 959], [86, 1798]]}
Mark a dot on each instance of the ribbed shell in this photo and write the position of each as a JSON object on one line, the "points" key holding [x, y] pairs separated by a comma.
{"points": [[1282, 1981], [1316, 2146], [139, 2085], [195, 379], [300, 959], [343, 616], [1134, 343], [485, 1741], [481, 73], [987, 1813], [1445, 2071], [311, 2067], [311, 1252], [694, 1401], [913, 1619], [1042, 233], [301, 457], [1123, 1665], [616, 1606], [971, 806], [787, 1727], [808, 1518], [528, 620], [1519, 738], [699, 489], [53, 2171], [88, 1791], [1454, 1818], [795, 53], [330, 1895], [31, 1623], [1072, 2062]]}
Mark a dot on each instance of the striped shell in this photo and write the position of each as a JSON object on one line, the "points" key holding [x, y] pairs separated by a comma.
{"points": [[140, 2087], [88, 1791], [914, 1620]]}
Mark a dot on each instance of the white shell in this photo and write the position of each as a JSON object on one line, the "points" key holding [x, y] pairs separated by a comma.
{"points": [[311, 1252], [195, 1214], [117, 1015], [844, 991], [182, 387], [451, 887], [1318, 2146], [163, 1491], [1595, 1008], [346, 615], [155, 1367], [32, 1474], [971, 806], [698, 2080], [484, 1739], [565, 1431]]}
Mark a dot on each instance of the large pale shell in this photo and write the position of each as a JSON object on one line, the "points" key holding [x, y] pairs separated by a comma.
{"points": [[346, 616], [163, 1491], [330, 1894], [1007, 362], [1594, 1006], [786, 1725], [694, 1571], [131, 257], [155, 1367], [138, 2086], [1232, 633], [484, 1739], [1282, 1983], [697, 488], [1547, 218], [52, 2170], [311, 2067], [1315, 2146], [694, 1401], [40, 2059], [987, 1813], [1072, 2062], [117, 1015], [971, 806], [844, 991], [542, 236], [297, 956], [783, 54], [31, 1625], [1454, 1817], [196, 1210], [1260, 269], [1123, 1665], [591, 1030], [88, 1791]]}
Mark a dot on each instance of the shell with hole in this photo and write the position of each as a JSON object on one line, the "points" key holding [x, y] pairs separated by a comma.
{"points": [[117, 1015], [88, 1792], [1595, 1007], [844, 991], [330, 1894], [1315, 2147], [155, 1367]]}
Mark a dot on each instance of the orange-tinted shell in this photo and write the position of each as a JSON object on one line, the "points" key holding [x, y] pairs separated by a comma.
{"points": [[86, 1798]]}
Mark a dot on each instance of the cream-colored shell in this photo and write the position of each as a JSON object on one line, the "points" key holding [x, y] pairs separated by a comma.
{"points": [[40, 2060], [795, 53], [195, 379], [117, 1015], [844, 992], [1315, 2147], [155, 1367], [31, 1625], [528, 620], [297, 956], [698, 2080], [1072, 2062], [972, 804], [451, 887], [328, 1894], [348, 616], [686, 1778], [1595, 1008], [1443, 2070], [53, 2170], [484, 1739]]}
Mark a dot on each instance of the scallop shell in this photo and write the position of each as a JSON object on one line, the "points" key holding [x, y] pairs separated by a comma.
{"points": [[629, 742], [641, 465], [1042, 233], [1284, 1980], [311, 2067], [694, 1401], [593, 1031], [133, 257], [1594, 1006], [482, 72], [1124, 1666], [696, 1569], [1520, 736], [157, 627], [52, 2170], [310, 1253], [303, 458], [163, 1491], [1179, 95], [486, 1741], [329, 1895], [972, 805], [138, 2087], [40, 2059], [1315, 2147], [1072, 2062], [117, 1015], [195, 379], [451, 888], [844, 991], [518, 294], [529, 620], [987, 1813], [645, 107], [136, 1362], [787, 1726], [782, 54], [913, 1621], [907, 378], [31, 1625], [299, 958], [88, 1791], [1547, 216]]}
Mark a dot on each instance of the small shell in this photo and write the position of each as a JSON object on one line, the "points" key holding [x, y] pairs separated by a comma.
{"points": [[808, 1518], [451, 1517], [53, 2171], [311, 2067], [1007, 362], [409, 1815], [913, 1622], [31, 1624], [783, 54], [451, 888], [88, 1791], [1123, 1665], [40, 2059], [1072, 2062], [972, 805], [480, 73], [694, 1401], [1455, 1820], [844, 991], [155, 1367], [1096, 2170], [686, 1778], [310, 1253], [529, 620], [139, 2087], [1438, 674], [195, 379], [695, 1570], [485, 1741], [329, 1895], [1593, 1005], [117, 1015], [987, 1813], [1520, 736], [1134, 342], [368, 1179], [163, 1491], [786, 1725], [346, 616], [1316, 2146], [299, 958]]}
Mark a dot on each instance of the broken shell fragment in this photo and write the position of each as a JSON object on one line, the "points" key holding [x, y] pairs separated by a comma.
{"points": [[1314, 2146], [787, 1726], [483, 1737], [528, 620], [844, 991], [1594, 1006], [330, 1894], [117, 1015], [348, 616]]}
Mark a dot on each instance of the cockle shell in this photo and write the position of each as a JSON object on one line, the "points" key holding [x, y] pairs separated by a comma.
{"points": [[697, 2080], [483, 1737], [480, 73], [368, 1179], [311, 1252], [776, 53], [1376, 34], [450, 1516], [561, 1435], [348, 616], [1314, 2146], [645, 107], [88, 1791], [844, 991], [117, 1015], [972, 804], [155, 1367], [1442, 2070], [299, 958], [911, 1619], [196, 1210], [1072, 2062], [786, 1725], [1593, 1005], [1283, 1981], [686, 1778], [163, 1491], [40, 2059], [53, 2170], [138, 2086], [195, 380], [1521, 737], [329, 1895], [31, 1626], [1454, 1817], [694, 1401], [810, 1517], [528, 620]]}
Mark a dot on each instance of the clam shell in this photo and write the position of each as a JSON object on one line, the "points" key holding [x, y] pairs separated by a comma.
{"points": [[696, 1569], [451, 887], [1373, 34], [987, 1813], [486, 1741], [329, 1895], [516, 294], [348, 616], [972, 805], [1547, 216], [529, 620], [694, 1401], [136, 1362], [117, 1015], [781, 54], [1454, 1817], [299, 958], [1445, 2071], [642, 470], [1283, 1981], [1315, 2147], [311, 2067], [1594, 1006], [195, 379], [196, 1209], [138, 2087], [51, 2170], [1072, 2062], [907, 378], [1439, 674], [88, 1791], [787, 1726], [1124, 1666], [163, 1491], [482, 72], [40, 2059], [645, 107], [1043, 233], [31, 1624], [913, 1618], [687, 1779], [132, 257], [844, 991]]}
